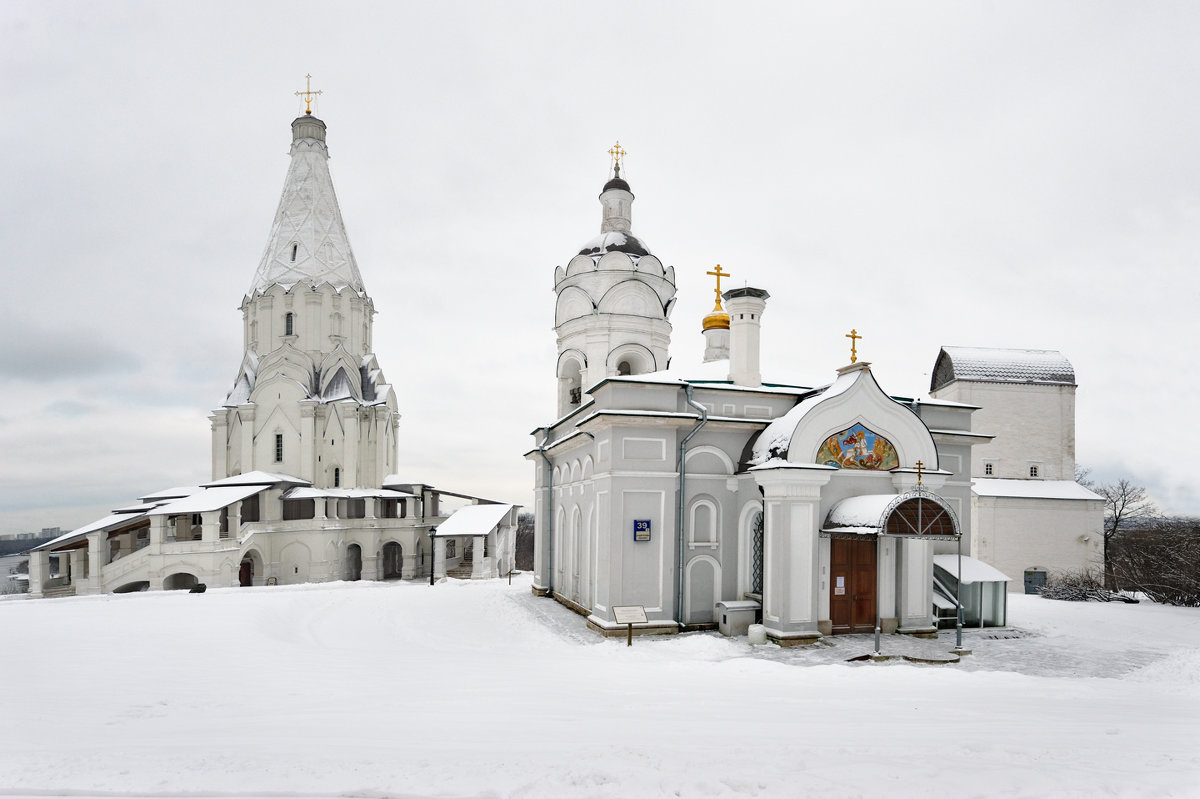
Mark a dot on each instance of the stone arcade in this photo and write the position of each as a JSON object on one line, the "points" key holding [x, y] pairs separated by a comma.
{"points": [[303, 447], [712, 493]]}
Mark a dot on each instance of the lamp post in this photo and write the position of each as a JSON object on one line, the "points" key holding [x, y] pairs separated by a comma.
{"points": [[432, 554]]}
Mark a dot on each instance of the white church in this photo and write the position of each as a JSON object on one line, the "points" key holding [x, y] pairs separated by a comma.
{"points": [[714, 496], [303, 447]]}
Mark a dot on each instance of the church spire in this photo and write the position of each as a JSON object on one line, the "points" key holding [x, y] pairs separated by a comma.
{"points": [[308, 242]]}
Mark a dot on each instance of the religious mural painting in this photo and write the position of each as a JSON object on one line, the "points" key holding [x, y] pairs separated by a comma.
{"points": [[856, 447]]}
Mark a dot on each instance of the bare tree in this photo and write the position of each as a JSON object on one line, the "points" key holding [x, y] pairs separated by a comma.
{"points": [[1125, 506]]}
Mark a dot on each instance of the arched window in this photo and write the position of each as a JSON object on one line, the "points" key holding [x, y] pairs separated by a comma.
{"points": [[624, 369], [295, 247], [756, 554], [337, 477], [289, 324]]}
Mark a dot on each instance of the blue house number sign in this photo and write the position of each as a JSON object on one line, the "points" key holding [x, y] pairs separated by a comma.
{"points": [[641, 529]]}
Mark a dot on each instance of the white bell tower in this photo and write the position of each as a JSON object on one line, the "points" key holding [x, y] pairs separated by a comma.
{"points": [[614, 301]]}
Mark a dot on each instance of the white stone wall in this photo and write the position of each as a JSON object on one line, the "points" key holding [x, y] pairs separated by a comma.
{"points": [[1015, 534], [1032, 425]]}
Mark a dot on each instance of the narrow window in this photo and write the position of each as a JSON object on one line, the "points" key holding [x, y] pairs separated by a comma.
{"points": [[987, 469], [289, 324], [1033, 471], [279, 447], [337, 478], [294, 248], [623, 368]]}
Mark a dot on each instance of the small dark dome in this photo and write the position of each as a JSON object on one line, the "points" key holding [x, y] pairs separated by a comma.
{"points": [[617, 183]]}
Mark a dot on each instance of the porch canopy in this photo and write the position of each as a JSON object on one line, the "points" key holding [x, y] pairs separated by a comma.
{"points": [[472, 520], [973, 571], [913, 514]]}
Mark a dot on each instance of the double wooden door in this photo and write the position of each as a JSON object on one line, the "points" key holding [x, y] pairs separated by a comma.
{"points": [[852, 581]]}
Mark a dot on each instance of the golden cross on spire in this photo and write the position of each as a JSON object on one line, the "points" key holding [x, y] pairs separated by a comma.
{"points": [[308, 94], [920, 470], [854, 337], [616, 151], [718, 274]]}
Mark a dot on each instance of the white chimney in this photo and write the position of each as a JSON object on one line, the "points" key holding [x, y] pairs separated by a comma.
{"points": [[745, 307]]}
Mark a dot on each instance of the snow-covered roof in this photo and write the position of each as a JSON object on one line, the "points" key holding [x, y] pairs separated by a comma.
{"points": [[473, 520], [208, 500], [171, 493], [974, 571], [113, 520], [1031, 489], [257, 478], [304, 492], [308, 242], [862, 514], [990, 365]]}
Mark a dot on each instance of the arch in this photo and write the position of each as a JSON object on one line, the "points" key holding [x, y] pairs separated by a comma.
{"points": [[702, 585], [250, 569], [573, 302], [588, 468], [580, 264], [577, 559], [614, 260], [295, 560], [353, 562], [571, 365], [751, 549], [639, 360], [650, 265], [633, 298], [703, 519], [576, 471], [179, 581], [393, 560], [708, 453]]}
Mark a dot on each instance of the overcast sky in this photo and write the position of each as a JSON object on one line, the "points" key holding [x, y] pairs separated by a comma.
{"points": [[983, 174]]}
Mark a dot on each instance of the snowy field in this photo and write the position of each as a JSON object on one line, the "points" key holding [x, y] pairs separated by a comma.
{"points": [[481, 690]]}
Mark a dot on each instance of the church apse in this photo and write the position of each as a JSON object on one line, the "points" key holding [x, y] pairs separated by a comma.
{"points": [[858, 447]]}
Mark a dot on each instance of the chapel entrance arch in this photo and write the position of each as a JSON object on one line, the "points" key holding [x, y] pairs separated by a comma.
{"points": [[852, 583], [393, 561], [250, 568]]}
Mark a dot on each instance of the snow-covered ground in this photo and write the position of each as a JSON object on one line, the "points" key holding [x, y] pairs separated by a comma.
{"points": [[481, 690]]}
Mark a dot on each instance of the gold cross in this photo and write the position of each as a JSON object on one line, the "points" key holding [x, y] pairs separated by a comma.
{"points": [[307, 94], [616, 151], [854, 337], [920, 468], [718, 274]]}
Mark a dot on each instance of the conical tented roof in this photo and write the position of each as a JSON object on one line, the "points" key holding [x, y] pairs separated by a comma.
{"points": [[308, 242]]}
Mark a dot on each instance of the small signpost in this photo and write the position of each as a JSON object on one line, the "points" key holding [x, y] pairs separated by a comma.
{"points": [[630, 615]]}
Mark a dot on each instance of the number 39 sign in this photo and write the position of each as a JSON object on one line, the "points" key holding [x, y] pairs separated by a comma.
{"points": [[641, 529]]}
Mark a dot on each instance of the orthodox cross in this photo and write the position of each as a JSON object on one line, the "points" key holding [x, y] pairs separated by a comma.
{"points": [[854, 337], [308, 94], [920, 469], [616, 151], [718, 274]]}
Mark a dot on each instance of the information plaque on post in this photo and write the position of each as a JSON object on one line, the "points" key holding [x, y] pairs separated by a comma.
{"points": [[630, 615]]}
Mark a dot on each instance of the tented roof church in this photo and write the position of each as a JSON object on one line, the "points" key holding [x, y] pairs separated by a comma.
{"points": [[303, 446], [713, 495]]}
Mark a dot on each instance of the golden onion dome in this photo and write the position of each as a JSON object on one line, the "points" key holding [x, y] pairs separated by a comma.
{"points": [[717, 320]]}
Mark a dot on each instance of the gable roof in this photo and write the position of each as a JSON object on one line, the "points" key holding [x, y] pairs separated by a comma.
{"points": [[992, 365]]}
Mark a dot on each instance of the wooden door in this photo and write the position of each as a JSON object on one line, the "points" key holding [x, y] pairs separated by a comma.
{"points": [[852, 584]]}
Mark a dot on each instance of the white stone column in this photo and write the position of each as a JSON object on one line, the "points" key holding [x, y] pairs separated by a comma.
{"points": [[158, 533], [478, 560], [350, 425], [371, 505], [39, 572], [210, 526], [370, 566], [439, 557], [320, 508], [74, 564], [246, 414], [235, 519], [791, 551], [95, 555]]}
